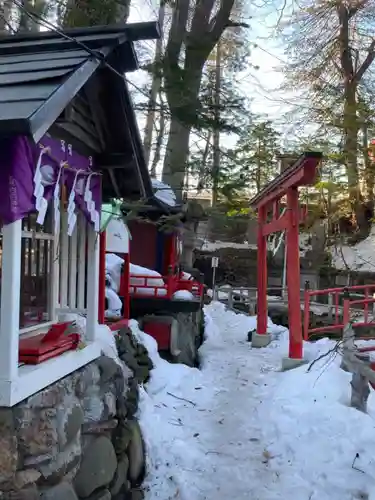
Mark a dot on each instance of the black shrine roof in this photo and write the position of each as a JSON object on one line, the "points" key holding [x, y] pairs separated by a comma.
{"points": [[53, 83]]}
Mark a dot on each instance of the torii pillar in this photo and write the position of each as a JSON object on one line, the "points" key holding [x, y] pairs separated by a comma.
{"points": [[300, 173]]}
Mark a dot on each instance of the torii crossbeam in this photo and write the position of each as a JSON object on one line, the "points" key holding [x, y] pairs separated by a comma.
{"points": [[301, 173]]}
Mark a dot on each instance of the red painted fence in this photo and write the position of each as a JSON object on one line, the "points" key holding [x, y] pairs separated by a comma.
{"points": [[342, 308], [171, 285]]}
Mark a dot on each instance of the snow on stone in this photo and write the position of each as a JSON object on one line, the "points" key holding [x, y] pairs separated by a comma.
{"points": [[164, 192], [113, 266], [221, 295], [183, 295], [304, 244], [211, 246], [150, 280], [155, 280], [186, 276], [239, 428], [103, 335], [360, 257]]}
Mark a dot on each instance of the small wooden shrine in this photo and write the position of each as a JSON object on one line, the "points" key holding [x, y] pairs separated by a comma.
{"points": [[69, 142]]}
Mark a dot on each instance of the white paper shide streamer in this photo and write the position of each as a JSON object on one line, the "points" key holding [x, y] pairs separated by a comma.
{"points": [[41, 204], [56, 201], [90, 204], [72, 217]]}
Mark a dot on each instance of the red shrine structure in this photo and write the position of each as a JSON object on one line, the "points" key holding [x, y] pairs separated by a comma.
{"points": [[302, 172]]}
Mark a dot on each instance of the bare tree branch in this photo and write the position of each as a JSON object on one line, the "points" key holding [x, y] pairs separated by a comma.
{"points": [[366, 63]]}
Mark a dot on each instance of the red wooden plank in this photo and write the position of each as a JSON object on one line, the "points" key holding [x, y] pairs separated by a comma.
{"points": [[275, 225], [301, 173], [279, 191]]}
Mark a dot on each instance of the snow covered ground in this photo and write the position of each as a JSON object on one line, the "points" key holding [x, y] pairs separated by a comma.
{"points": [[239, 428]]}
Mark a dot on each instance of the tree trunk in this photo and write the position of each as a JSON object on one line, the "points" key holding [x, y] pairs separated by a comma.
{"points": [[350, 141], [155, 88], [159, 141], [203, 165], [216, 133], [351, 128], [5, 18], [189, 236], [183, 109], [176, 156], [26, 23], [352, 77], [369, 166], [258, 171], [192, 45]]}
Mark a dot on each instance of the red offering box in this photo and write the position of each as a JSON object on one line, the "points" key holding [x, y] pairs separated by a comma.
{"points": [[161, 332], [34, 350]]}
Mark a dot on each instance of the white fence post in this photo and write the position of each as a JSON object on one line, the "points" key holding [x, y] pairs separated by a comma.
{"points": [[230, 297], [10, 300], [330, 306], [92, 282]]}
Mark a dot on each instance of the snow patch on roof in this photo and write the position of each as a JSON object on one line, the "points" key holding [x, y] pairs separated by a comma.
{"points": [[164, 193], [360, 257]]}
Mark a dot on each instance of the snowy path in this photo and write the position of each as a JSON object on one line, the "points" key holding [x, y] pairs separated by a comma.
{"points": [[243, 430]]}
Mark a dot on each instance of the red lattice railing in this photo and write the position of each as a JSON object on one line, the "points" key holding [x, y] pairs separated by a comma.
{"points": [[341, 304], [171, 285]]}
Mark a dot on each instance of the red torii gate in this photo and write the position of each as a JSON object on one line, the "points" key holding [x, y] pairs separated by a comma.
{"points": [[300, 173]]}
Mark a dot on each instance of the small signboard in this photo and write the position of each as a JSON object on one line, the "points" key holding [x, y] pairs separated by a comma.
{"points": [[215, 262]]}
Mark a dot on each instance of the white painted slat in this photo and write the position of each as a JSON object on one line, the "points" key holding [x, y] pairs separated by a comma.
{"points": [[64, 258], [73, 240], [54, 280], [92, 282], [53, 295], [10, 300], [81, 289]]}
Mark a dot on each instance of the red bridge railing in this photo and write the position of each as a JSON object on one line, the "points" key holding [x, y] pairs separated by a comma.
{"points": [[340, 304], [171, 284]]}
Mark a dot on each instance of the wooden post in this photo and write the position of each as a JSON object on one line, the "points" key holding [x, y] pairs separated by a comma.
{"points": [[330, 306], [306, 311], [293, 276], [346, 308], [252, 303], [230, 297], [101, 299], [82, 227], [10, 300], [262, 275], [72, 266], [125, 286], [64, 260], [93, 246], [54, 287], [356, 363]]}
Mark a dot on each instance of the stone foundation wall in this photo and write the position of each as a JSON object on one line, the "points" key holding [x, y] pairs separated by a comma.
{"points": [[190, 337], [78, 438]]}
